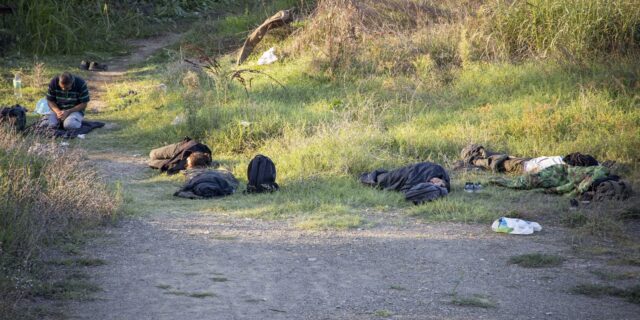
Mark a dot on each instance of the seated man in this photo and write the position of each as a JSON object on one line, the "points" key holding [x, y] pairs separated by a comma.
{"points": [[67, 97], [203, 182], [419, 182], [561, 179]]}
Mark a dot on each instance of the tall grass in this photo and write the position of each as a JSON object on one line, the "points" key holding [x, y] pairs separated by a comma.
{"points": [[44, 194], [569, 29], [46, 27]]}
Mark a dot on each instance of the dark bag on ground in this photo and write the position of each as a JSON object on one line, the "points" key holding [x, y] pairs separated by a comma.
{"points": [[15, 117], [261, 174]]}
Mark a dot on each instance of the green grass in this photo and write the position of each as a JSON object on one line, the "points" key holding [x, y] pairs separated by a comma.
{"points": [[610, 275], [67, 289], [631, 294], [383, 313], [81, 262], [476, 300], [537, 260]]}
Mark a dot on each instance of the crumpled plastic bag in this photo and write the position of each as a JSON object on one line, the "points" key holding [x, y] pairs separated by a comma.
{"points": [[515, 226], [42, 107], [268, 57]]}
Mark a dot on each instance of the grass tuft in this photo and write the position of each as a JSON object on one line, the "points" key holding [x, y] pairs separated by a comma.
{"points": [[537, 260], [476, 300]]}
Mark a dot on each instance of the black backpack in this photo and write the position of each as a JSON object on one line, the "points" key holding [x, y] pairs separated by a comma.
{"points": [[15, 116], [262, 175]]}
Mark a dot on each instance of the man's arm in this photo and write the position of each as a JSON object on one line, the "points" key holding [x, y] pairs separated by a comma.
{"points": [[54, 107]]}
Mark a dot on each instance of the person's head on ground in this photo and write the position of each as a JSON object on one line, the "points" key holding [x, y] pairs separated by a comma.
{"points": [[438, 182], [198, 160], [65, 80]]}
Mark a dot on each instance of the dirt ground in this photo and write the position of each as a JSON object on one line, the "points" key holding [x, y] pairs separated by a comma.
{"points": [[184, 265]]}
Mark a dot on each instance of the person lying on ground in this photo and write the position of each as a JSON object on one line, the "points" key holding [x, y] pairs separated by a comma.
{"points": [[559, 179], [67, 98], [475, 156], [421, 182], [204, 182], [173, 158]]}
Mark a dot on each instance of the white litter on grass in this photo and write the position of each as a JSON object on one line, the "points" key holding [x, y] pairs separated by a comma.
{"points": [[515, 226], [179, 119], [268, 57], [245, 123], [81, 136]]}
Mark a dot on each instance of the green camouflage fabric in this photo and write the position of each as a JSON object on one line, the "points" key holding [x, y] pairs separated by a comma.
{"points": [[557, 179]]}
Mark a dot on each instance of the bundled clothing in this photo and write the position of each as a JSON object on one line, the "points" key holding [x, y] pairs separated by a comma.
{"points": [[412, 180], [205, 183], [561, 179], [173, 158]]}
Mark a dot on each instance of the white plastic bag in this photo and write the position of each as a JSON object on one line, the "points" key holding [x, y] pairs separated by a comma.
{"points": [[268, 57], [515, 226], [42, 107]]}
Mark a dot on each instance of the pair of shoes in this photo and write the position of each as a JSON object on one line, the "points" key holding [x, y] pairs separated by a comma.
{"points": [[92, 66], [472, 187]]}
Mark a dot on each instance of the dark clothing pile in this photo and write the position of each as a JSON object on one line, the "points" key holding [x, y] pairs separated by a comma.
{"points": [[412, 180], [578, 159], [173, 158], [42, 129], [209, 184], [15, 117]]}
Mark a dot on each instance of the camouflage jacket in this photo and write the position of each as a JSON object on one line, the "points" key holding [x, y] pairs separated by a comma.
{"points": [[557, 179]]}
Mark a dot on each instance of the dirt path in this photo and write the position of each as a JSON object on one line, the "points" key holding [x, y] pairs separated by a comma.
{"points": [[169, 264]]}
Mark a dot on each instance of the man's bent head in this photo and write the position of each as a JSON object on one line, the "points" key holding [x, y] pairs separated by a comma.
{"points": [[65, 80]]}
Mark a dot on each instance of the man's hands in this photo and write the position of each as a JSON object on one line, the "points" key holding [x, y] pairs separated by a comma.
{"points": [[62, 114]]}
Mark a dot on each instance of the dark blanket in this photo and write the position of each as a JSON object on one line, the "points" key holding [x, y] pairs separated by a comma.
{"points": [[405, 178], [209, 184], [87, 126]]}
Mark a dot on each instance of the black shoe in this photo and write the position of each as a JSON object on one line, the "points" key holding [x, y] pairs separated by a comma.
{"points": [[468, 187], [94, 66], [477, 186], [84, 65]]}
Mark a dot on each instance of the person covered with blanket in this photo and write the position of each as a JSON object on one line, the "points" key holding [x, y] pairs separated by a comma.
{"points": [[421, 182], [204, 182]]}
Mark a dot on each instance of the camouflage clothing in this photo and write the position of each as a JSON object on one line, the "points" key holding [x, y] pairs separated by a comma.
{"points": [[557, 179]]}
